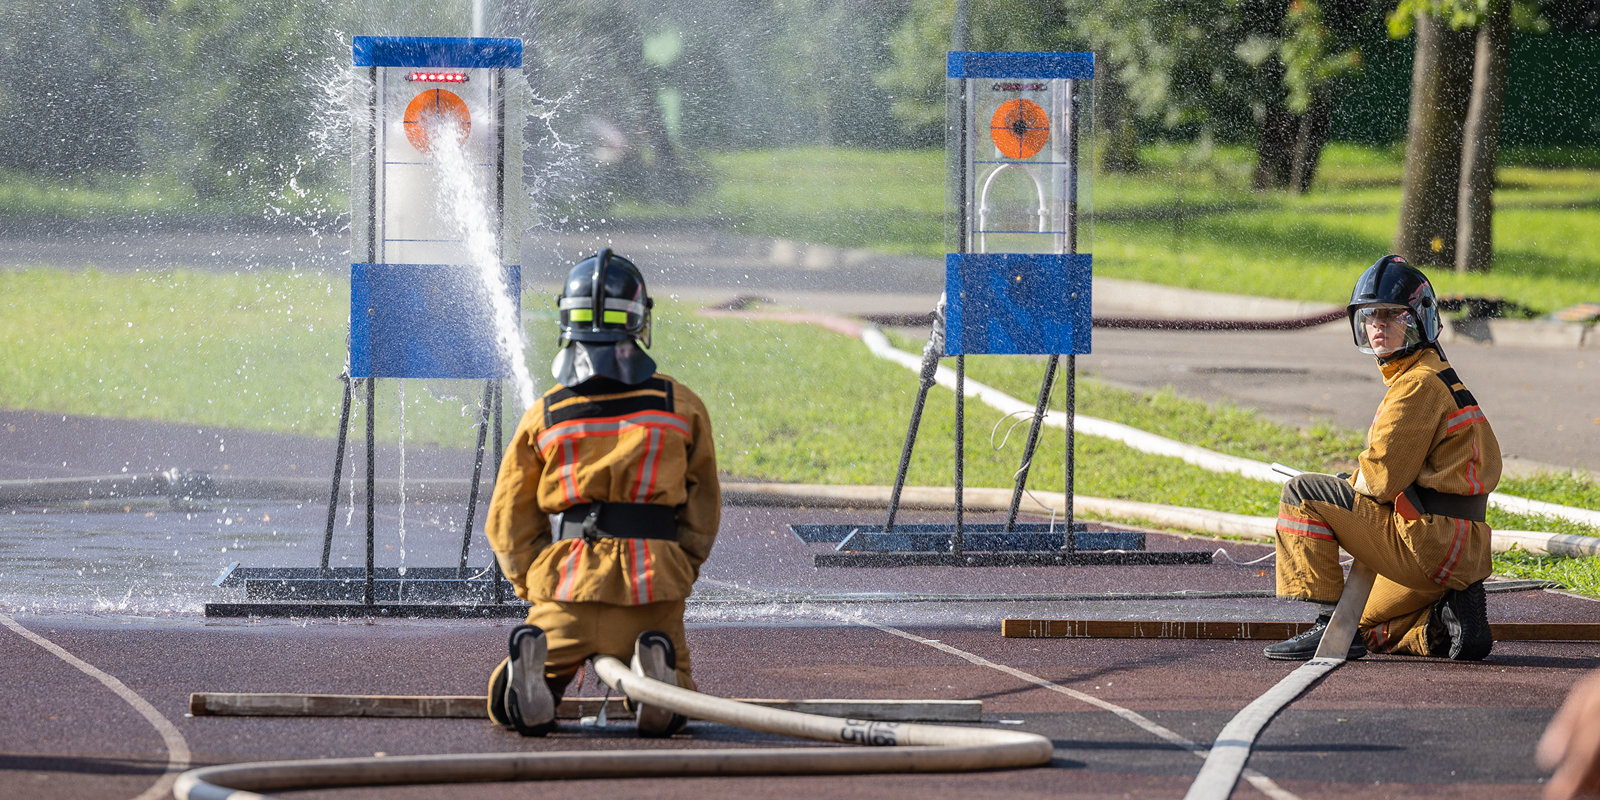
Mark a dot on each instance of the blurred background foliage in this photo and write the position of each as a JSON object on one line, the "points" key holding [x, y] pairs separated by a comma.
{"points": [[228, 101]]}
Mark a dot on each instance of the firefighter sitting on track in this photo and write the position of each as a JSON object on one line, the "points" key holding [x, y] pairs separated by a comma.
{"points": [[619, 459], [1414, 510]]}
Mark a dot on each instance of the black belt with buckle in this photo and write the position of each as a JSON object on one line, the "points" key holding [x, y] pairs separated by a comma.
{"points": [[591, 521], [1470, 507]]}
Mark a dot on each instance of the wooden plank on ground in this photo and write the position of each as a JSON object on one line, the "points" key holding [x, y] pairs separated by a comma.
{"points": [[1546, 631], [1147, 629], [1265, 631], [231, 704]]}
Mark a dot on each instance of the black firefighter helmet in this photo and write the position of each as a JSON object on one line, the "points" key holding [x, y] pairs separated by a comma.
{"points": [[604, 300], [1392, 282]]}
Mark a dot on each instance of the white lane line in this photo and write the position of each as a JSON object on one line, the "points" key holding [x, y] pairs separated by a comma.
{"points": [[1261, 782], [177, 748]]}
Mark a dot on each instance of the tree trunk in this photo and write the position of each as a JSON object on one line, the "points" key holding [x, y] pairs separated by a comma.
{"points": [[1441, 86], [1480, 148], [1310, 137], [1275, 148], [1114, 116]]}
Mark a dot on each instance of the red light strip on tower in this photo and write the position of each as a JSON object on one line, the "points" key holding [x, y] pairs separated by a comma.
{"points": [[437, 77]]}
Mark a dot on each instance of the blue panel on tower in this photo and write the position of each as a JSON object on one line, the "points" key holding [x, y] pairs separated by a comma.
{"points": [[425, 321], [445, 52], [1017, 303]]}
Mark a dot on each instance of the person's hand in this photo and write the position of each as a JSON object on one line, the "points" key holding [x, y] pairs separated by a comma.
{"points": [[1571, 745]]}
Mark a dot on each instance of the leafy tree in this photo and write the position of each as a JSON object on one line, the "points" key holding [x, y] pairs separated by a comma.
{"points": [[824, 56], [70, 107], [230, 89], [1452, 135], [1266, 71], [1261, 70], [915, 77], [1316, 55]]}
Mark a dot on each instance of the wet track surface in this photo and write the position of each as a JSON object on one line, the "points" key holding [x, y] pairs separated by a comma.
{"points": [[764, 623]]}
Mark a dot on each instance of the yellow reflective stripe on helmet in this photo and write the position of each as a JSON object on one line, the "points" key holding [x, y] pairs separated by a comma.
{"points": [[618, 317], [582, 315]]}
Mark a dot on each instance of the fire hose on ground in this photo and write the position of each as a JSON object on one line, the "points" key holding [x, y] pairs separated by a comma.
{"points": [[889, 748]]}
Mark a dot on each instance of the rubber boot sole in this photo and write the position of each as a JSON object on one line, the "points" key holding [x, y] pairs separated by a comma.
{"points": [[529, 705], [1458, 626], [655, 657]]}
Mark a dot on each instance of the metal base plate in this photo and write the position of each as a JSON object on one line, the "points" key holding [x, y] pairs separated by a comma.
{"points": [[338, 592], [1010, 559], [513, 610]]}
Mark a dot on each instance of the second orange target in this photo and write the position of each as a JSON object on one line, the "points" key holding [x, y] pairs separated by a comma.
{"points": [[1020, 128]]}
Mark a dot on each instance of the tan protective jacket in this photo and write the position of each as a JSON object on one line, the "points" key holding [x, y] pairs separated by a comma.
{"points": [[641, 443], [1430, 431]]}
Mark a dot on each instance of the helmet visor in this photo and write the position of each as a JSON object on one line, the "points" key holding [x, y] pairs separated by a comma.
{"points": [[1385, 329]]}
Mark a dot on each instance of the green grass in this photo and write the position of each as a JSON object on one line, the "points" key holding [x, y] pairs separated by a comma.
{"points": [[1578, 575], [1184, 222], [258, 351], [154, 196], [889, 201], [788, 402]]}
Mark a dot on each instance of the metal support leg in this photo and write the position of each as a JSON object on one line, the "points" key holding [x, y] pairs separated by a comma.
{"points": [[499, 448], [372, 458], [477, 475], [930, 368], [1072, 458], [338, 473], [956, 544], [1039, 411]]}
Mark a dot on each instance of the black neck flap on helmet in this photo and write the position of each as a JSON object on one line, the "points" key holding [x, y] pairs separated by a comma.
{"points": [[1393, 282], [605, 315]]}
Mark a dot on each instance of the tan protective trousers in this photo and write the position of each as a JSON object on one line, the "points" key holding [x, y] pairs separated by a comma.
{"points": [[576, 631], [1314, 522]]}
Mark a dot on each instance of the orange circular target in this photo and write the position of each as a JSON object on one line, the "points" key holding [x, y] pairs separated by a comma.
{"points": [[436, 109], [1020, 128]]}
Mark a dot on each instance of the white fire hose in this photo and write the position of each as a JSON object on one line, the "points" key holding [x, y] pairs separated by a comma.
{"points": [[892, 747]]}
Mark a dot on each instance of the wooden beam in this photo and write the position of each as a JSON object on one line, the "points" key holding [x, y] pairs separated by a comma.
{"points": [[1545, 631], [228, 704], [1264, 631], [1147, 629]]}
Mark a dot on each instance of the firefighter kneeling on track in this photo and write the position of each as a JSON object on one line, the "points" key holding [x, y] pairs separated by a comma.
{"points": [[606, 505], [1414, 510]]}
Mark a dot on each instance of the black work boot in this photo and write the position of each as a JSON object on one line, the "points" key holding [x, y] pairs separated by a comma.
{"points": [[1458, 625], [529, 705], [655, 657], [1304, 646], [497, 696]]}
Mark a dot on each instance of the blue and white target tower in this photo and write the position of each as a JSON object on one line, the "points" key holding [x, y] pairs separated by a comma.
{"points": [[434, 237], [1018, 134]]}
